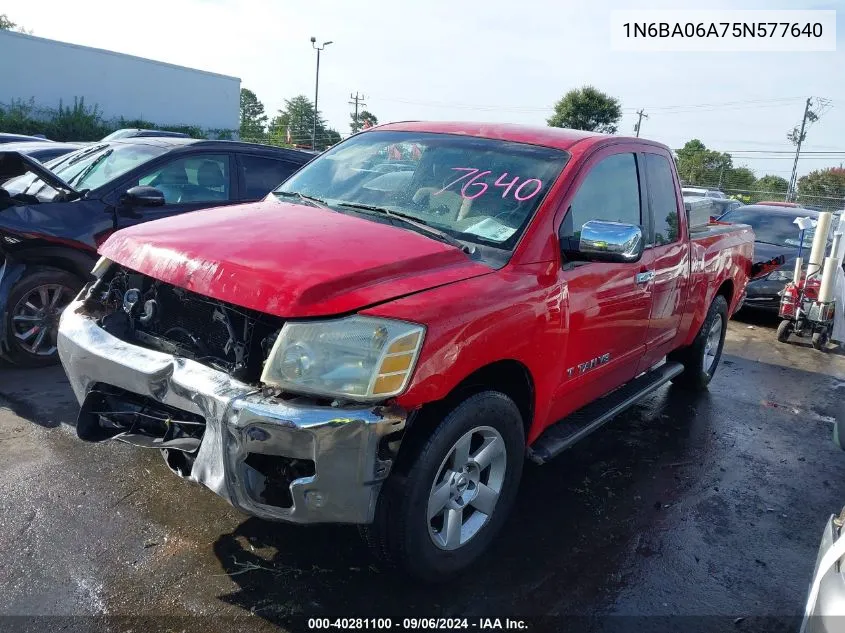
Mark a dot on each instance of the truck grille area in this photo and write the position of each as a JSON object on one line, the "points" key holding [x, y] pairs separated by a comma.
{"points": [[157, 315]]}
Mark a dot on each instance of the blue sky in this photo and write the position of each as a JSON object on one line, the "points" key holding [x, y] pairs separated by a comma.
{"points": [[492, 61]]}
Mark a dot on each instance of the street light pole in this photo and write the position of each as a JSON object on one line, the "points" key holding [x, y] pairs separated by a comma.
{"points": [[316, 90]]}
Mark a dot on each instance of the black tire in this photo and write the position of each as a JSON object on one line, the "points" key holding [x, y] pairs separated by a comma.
{"points": [[19, 351], [784, 330], [820, 340], [400, 533], [694, 375]]}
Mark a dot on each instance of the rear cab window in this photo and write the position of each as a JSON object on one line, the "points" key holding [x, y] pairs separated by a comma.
{"points": [[661, 195]]}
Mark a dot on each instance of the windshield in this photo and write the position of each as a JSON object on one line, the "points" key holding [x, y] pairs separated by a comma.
{"points": [[771, 228], [477, 190], [87, 168]]}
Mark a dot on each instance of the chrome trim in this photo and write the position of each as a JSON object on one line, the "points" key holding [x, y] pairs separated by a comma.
{"points": [[343, 442]]}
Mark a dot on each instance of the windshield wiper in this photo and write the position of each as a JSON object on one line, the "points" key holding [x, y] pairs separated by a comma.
{"points": [[306, 198], [421, 227], [84, 173], [84, 154]]}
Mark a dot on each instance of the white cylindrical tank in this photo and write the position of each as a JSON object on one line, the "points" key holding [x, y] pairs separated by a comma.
{"points": [[819, 243], [831, 265], [796, 276]]}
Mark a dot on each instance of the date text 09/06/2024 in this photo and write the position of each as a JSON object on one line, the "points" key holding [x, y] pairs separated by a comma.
{"points": [[410, 624]]}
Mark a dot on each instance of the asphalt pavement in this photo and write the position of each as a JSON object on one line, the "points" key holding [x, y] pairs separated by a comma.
{"points": [[708, 506]]}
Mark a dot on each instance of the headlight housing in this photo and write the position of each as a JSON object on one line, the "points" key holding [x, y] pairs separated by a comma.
{"points": [[357, 357], [780, 274]]}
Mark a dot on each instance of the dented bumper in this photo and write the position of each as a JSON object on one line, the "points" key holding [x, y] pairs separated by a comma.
{"points": [[246, 432]]}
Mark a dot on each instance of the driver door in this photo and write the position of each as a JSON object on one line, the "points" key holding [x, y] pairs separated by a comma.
{"points": [[189, 183], [607, 317]]}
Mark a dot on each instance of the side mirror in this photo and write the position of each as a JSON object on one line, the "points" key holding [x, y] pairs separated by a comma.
{"points": [[605, 242], [142, 197]]}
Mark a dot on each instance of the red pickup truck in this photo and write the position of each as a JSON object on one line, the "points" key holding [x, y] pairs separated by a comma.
{"points": [[387, 337]]}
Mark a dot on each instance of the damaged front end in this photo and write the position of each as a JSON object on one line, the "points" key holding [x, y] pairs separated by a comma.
{"points": [[160, 367]]}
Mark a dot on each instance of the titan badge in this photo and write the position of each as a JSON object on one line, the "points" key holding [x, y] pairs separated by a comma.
{"points": [[583, 368]]}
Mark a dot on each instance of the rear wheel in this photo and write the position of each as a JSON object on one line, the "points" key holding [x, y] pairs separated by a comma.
{"points": [[701, 359], [784, 330], [439, 513], [35, 305]]}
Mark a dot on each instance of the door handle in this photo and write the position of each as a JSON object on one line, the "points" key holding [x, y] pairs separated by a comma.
{"points": [[644, 278]]}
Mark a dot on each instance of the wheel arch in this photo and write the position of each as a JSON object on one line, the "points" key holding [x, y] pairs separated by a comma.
{"points": [[76, 262], [508, 376]]}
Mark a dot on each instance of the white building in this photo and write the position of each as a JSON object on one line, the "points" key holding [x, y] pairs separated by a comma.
{"points": [[47, 72]]}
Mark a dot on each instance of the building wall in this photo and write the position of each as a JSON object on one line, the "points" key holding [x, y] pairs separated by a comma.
{"points": [[120, 85]]}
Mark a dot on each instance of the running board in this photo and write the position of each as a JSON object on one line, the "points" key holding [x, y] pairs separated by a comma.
{"points": [[561, 435]]}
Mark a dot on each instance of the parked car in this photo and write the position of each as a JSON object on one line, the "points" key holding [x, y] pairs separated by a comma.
{"points": [[385, 347], [702, 192], [43, 151], [138, 133], [825, 608], [776, 203], [775, 235], [53, 219], [19, 138], [723, 205]]}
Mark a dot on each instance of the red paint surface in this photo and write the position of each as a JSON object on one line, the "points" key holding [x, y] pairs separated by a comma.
{"points": [[288, 260], [302, 261]]}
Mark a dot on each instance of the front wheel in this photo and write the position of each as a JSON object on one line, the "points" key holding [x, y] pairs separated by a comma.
{"points": [[439, 513], [32, 316], [784, 330], [701, 359]]}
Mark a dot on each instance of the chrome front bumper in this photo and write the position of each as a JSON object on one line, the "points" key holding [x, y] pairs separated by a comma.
{"points": [[348, 445]]}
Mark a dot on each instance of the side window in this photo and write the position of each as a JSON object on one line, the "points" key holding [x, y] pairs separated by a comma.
{"points": [[664, 205], [610, 192], [262, 175], [202, 178]]}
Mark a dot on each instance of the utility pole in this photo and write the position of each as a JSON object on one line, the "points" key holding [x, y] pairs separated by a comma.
{"points": [[316, 90], [639, 121], [357, 100], [790, 192]]}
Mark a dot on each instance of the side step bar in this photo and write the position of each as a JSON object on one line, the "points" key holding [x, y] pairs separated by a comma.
{"points": [[561, 435]]}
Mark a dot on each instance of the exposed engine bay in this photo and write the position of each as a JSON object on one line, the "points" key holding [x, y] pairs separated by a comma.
{"points": [[156, 315]]}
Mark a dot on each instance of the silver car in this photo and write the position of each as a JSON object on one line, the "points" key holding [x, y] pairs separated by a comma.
{"points": [[826, 599]]}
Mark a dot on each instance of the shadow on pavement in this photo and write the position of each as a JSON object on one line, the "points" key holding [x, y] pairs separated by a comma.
{"points": [[41, 396]]}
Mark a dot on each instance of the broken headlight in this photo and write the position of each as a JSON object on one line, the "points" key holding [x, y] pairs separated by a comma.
{"points": [[360, 358]]}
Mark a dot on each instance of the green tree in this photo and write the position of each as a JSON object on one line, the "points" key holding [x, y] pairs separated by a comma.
{"points": [[7, 25], [739, 179], [365, 119], [698, 165], [298, 117], [823, 183], [772, 184], [768, 185], [253, 118], [587, 109]]}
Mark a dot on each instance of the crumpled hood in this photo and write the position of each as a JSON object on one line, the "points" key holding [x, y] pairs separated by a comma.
{"points": [[289, 260]]}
